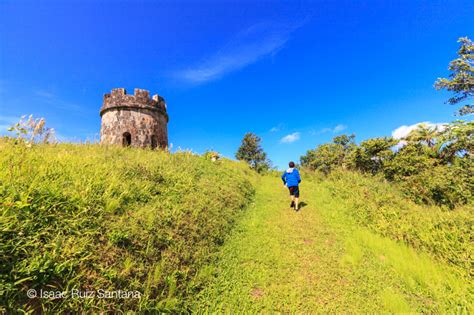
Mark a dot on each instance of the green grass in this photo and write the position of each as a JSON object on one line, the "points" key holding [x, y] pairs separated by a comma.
{"points": [[89, 217], [173, 227], [322, 260], [445, 234]]}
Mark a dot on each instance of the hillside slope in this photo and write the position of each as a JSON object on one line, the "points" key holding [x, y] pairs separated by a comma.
{"points": [[95, 218]]}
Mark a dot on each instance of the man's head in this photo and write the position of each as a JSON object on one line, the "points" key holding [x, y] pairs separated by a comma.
{"points": [[291, 164]]}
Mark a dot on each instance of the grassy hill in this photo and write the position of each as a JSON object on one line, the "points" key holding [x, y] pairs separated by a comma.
{"points": [[90, 217], [194, 235]]}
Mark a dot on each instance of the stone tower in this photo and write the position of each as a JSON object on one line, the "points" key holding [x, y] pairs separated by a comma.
{"points": [[134, 120]]}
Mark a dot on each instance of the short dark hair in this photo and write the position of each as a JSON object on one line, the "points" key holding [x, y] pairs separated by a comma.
{"points": [[291, 164]]}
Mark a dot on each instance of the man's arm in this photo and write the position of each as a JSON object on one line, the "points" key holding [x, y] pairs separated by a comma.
{"points": [[298, 176], [283, 178]]}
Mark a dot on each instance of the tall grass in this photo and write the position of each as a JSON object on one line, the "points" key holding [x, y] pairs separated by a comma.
{"points": [[444, 234], [88, 217]]}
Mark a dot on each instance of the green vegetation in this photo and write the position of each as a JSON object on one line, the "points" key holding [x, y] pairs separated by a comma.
{"points": [[170, 226], [327, 259], [432, 166], [30, 131], [445, 235], [252, 153], [89, 217], [461, 80]]}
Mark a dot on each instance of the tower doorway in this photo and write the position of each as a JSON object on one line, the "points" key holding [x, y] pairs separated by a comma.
{"points": [[126, 139], [154, 142]]}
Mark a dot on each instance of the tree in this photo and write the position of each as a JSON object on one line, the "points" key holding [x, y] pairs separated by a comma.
{"points": [[461, 79], [251, 152], [328, 156], [410, 160], [457, 140], [371, 155], [325, 157], [423, 134], [344, 140]]}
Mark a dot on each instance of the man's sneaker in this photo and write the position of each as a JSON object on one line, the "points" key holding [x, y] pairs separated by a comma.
{"points": [[292, 204]]}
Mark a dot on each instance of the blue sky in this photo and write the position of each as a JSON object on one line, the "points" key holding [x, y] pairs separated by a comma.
{"points": [[296, 73]]}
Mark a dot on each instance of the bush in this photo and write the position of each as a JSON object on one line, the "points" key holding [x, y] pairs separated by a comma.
{"points": [[431, 166], [441, 185], [410, 160], [88, 217]]}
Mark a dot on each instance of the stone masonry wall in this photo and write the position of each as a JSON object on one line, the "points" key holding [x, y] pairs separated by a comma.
{"points": [[135, 120]]}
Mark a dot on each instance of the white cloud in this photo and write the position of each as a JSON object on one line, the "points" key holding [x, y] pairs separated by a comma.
{"points": [[339, 128], [249, 46], [335, 129], [277, 128], [403, 131], [295, 136]]}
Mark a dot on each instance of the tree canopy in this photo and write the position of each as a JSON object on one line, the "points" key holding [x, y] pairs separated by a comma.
{"points": [[252, 152], [461, 79], [431, 165]]}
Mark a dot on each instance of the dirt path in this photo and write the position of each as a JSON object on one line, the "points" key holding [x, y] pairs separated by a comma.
{"points": [[308, 261]]}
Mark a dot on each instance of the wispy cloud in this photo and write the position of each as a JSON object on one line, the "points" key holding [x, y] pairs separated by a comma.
{"points": [[56, 101], [339, 128], [335, 129], [45, 94], [295, 136], [277, 128], [247, 47]]}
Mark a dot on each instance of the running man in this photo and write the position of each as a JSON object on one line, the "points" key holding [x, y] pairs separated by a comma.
{"points": [[291, 178]]}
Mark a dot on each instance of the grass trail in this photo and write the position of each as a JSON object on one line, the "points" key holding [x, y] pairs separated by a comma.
{"points": [[317, 260]]}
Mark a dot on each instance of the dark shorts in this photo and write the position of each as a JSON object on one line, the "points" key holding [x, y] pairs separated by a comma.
{"points": [[294, 191]]}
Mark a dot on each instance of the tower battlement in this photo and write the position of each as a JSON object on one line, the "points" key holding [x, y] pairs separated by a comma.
{"points": [[119, 99]]}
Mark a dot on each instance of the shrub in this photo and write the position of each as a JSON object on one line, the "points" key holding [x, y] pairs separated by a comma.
{"points": [[449, 186]]}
